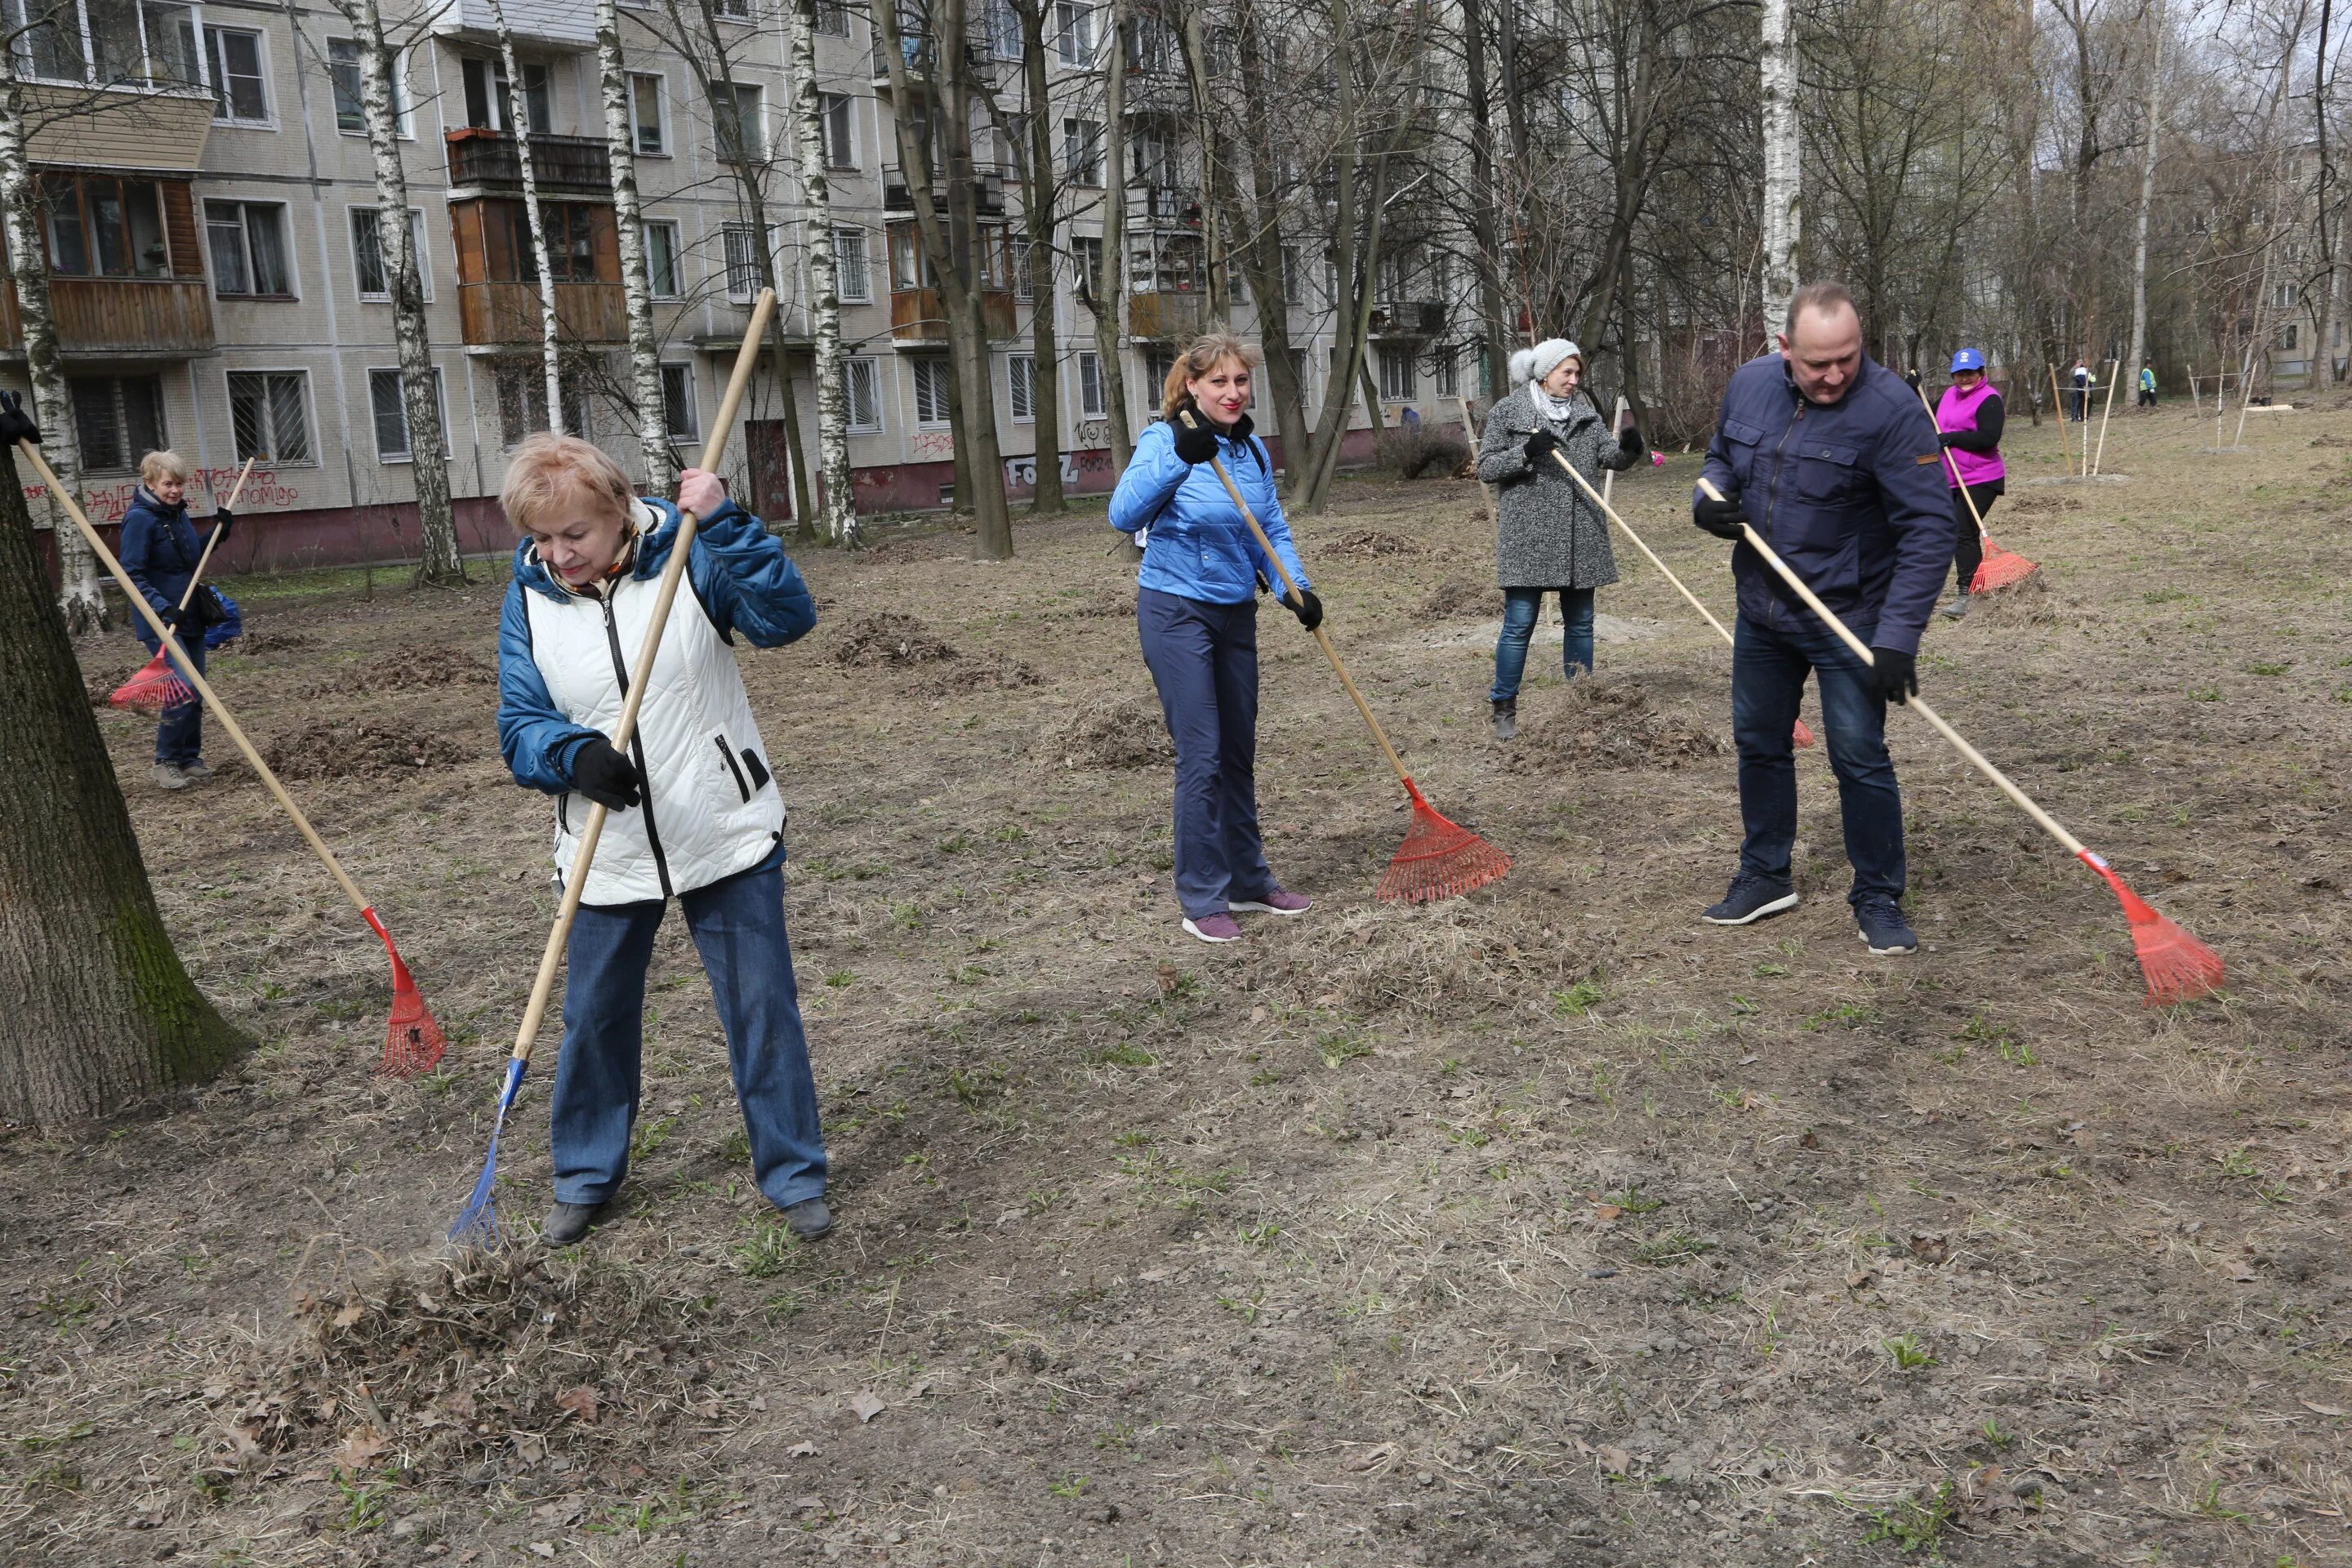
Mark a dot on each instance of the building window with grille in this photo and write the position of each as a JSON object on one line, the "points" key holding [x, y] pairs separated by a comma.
{"points": [[120, 419], [390, 412], [1396, 376], [521, 385], [933, 393], [853, 278], [743, 247], [861, 384], [1020, 373], [248, 245], [270, 416], [1092, 403]]}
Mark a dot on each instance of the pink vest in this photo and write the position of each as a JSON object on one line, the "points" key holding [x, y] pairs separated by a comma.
{"points": [[1958, 411]]}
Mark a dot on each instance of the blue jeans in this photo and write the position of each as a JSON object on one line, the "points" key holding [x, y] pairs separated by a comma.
{"points": [[179, 728], [1203, 660], [1522, 609], [739, 929], [1767, 676]]}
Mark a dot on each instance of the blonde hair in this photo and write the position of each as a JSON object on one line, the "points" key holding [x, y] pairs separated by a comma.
{"points": [[155, 465], [1202, 356], [546, 467]]}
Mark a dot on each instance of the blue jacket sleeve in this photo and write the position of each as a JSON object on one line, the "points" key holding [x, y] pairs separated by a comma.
{"points": [[1152, 475], [746, 582], [1277, 530], [1909, 465], [537, 737], [140, 533]]}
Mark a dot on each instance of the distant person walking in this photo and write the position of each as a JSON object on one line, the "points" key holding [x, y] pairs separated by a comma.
{"points": [[2147, 387], [2079, 399], [1969, 421]]}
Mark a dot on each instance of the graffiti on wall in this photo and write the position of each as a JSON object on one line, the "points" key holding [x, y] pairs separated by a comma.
{"points": [[933, 444], [107, 503]]}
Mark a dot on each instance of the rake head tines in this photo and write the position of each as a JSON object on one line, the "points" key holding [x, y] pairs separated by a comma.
{"points": [[478, 1221], [2176, 966], [1801, 734], [413, 1040], [2000, 569], [156, 686], [1438, 858]]}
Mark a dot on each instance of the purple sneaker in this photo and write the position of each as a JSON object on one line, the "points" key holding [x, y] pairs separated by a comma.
{"points": [[1276, 902], [1213, 927]]}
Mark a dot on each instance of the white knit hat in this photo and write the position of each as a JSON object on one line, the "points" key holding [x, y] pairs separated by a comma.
{"points": [[1535, 363]]}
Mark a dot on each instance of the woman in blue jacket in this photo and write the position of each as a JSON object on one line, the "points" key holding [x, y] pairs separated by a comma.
{"points": [[1196, 608], [159, 552], [696, 814]]}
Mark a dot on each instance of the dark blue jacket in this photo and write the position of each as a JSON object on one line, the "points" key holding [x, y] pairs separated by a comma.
{"points": [[1851, 494], [160, 550]]}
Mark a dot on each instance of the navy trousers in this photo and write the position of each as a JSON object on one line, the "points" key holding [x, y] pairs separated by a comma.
{"points": [[1203, 660]]}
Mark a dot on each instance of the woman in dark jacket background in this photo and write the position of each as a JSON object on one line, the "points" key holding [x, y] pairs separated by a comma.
{"points": [[160, 550]]}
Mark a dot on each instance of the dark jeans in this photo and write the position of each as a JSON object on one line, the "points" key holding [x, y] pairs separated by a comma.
{"points": [[1522, 607], [179, 729], [1203, 660], [739, 929], [1767, 676], [1967, 553], [2146, 398]]}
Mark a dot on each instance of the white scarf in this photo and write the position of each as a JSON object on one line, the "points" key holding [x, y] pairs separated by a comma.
{"points": [[1559, 409]]}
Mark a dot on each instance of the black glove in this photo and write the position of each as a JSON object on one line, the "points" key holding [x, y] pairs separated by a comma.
{"points": [[1310, 614], [223, 521], [203, 609], [175, 618], [16, 425], [1195, 442], [1911, 379], [1947, 437], [1723, 518], [1630, 442], [1894, 674], [1541, 441], [603, 776]]}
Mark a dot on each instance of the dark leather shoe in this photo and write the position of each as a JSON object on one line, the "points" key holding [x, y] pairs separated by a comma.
{"points": [[567, 1223], [808, 1219]]}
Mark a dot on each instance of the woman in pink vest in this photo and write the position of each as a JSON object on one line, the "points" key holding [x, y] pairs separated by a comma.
{"points": [[1970, 417]]}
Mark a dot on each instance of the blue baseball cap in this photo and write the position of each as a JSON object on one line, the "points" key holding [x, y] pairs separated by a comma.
{"points": [[1966, 359]]}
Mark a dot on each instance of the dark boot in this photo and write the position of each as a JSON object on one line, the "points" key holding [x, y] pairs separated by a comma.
{"points": [[567, 1223], [1506, 718]]}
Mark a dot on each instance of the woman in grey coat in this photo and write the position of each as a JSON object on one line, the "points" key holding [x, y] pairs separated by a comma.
{"points": [[1550, 537]]}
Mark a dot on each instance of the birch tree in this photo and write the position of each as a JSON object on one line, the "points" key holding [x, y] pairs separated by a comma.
{"points": [[840, 501], [439, 562], [518, 118], [1104, 291], [629, 221], [1782, 181], [2147, 185]]}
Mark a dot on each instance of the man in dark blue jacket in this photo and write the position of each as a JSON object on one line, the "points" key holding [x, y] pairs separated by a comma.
{"points": [[1833, 459]]}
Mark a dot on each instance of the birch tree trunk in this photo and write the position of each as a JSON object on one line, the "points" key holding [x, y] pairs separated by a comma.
{"points": [[80, 599], [1038, 213], [1264, 249], [439, 562], [1782, 177], [1109, 289], [839, 503], [101, 1011], [519, 111], [637, 286], [2148, 187]]}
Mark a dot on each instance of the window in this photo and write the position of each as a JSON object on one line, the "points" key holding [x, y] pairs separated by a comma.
{"points": [[1073, 32], [661, 260], [861, 389], [1092, 405], [733, 10], [840, 145], [1151, 47], [101, 226], [1449, 373], [645, 114], [933, 393], [141, 42], [120, 419], [489, 96], [1021, 372], [1290, 274], [853, 279], [742, 263], [521, 385], [1396, 376], [270, 416], [1005, 41], [1157, 363], [677, 403], [1082, 151], [571, 241], [736, 121], [1085, 256], [240, 95], [832, 18], [350, 111], [248, 244], [390, 411], [909, 269], [1024, 288], [368, 257]]}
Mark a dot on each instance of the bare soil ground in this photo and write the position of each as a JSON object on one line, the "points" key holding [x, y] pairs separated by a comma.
{"points": [[1543, 1226]]}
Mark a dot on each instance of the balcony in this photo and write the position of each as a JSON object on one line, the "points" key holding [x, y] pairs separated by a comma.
{"points": [[562, 165], [492, 315], [919, 319], [921, 54], [1155, 92], [989, 181], [137, 317], [1409, 319], [1171, 206], [1161, 317]]}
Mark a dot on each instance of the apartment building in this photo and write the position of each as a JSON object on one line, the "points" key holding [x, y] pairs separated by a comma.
{"points": [[219, 288]]}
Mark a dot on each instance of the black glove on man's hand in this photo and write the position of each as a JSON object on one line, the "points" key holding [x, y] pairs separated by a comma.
{"points": [[1629, 439], [1894, 674], [1310, 614], [1540, 442], [1195, 442], [603, 776], [16, 425], [1723, 518], [1911, 379]]}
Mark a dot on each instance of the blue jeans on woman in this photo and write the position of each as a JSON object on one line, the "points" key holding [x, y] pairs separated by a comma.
{"points": [[1203, 660], [179, 728], [1521, 608], [739, 929]]}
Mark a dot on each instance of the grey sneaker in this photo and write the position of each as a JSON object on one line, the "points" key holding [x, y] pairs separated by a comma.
{"points": [[1955, 607], [171, 775], [1507, 718], [199, 769], [567, 1223], [808, 1219]]}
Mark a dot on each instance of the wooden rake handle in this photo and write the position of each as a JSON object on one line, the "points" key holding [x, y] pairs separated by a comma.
{"points": [[1470, 434], [1322, 638], [235, 490], [187, 668], [673, 573], [1611, 513], [1952, 466], [1984, 764]]}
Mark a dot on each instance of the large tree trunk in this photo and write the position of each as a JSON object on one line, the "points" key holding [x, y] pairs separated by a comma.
{"points": [[839, 505], [1263, 252], [438, 562], [1205, 116], [1782, 178], [1487, 228], [636, 285], [551, 357], [100, 1011], [82, 601], [1108, 291], [2147, 184], [1038, 214], [2322, 99]]}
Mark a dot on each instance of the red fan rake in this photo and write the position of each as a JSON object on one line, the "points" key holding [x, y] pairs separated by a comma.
{"points": [[157, 686], [1438, 858]]}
